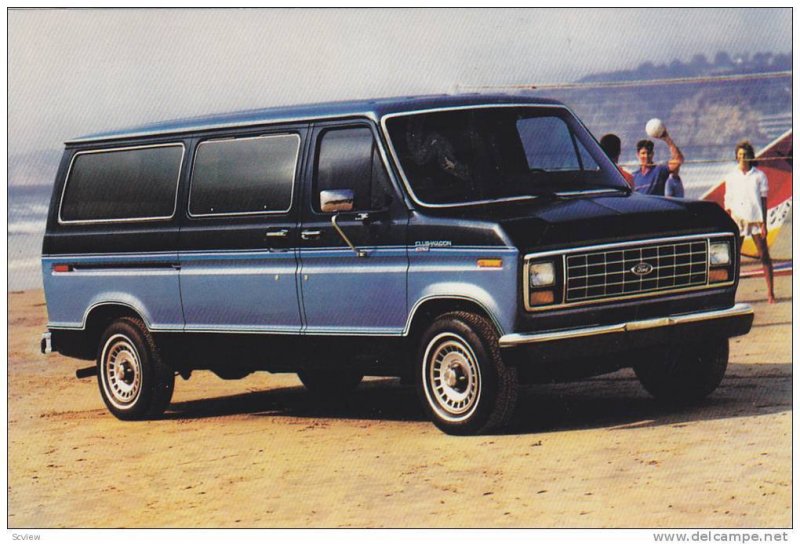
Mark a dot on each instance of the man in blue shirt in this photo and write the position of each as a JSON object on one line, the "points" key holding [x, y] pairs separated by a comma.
{"points": [[650, 178]]}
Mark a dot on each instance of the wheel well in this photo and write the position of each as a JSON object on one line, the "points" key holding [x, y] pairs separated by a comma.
{"points": [[83, 344], [101, 317], [431, 309]]}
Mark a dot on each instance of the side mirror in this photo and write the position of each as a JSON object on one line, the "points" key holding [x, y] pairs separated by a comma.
{"points": [[338, 200]]}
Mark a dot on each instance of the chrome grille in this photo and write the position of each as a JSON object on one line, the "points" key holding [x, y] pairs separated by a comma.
{"points": [[609, 273]]}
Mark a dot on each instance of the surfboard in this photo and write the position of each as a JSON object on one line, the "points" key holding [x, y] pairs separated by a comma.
{"points": [[755, 270], [775, 161]]}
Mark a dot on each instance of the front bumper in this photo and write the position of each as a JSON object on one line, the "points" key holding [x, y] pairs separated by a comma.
{"points": [[725, 323]]}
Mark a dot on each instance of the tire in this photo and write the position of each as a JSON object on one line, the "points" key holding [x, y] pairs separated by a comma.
{"points": [[330, 382], [134, 382], [685, 375], [463, 383]]}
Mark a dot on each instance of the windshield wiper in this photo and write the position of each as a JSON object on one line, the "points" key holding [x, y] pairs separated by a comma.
{"points": [[579, 193], [587, 192]]}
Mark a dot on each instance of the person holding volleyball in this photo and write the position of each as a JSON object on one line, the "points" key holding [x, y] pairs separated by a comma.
{"points": [[650, 178]]}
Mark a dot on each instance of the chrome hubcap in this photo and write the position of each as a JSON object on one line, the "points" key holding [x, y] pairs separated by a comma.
{"points": [[452, 377], [122, 371], [455, 377]]}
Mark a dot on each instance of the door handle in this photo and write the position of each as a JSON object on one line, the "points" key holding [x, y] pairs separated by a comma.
{"points": [[282, 233], [310, 234]]}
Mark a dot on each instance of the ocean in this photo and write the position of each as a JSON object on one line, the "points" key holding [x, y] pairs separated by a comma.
{"points": [[27, 213]]}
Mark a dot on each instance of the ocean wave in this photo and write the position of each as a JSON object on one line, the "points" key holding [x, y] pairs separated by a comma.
{"points": [[27, 227], [24, 274], [25, 264], [16, 208]]}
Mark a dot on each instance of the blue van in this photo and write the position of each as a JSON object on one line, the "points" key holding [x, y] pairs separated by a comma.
{"points": [[466, 243]]}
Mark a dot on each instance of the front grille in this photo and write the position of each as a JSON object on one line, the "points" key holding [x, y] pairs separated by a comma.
{"points": [[610, 273]]}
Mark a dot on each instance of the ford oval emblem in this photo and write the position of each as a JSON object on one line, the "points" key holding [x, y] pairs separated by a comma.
{"points": [[642, 269]]}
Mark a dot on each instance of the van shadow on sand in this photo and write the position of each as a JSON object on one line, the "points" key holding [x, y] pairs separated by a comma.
{"points": [[612, 401]]}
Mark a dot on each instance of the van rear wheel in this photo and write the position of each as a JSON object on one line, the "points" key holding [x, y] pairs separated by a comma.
{"points": [[134, 382], [463, 382]]}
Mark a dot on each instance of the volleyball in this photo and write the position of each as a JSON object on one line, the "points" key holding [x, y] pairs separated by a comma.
{"points": [[655, 128]]}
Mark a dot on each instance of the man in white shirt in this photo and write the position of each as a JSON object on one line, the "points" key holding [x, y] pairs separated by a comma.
{"points": [[746, 190]]}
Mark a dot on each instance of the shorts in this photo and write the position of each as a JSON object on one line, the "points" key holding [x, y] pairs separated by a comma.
{"points": [[747, 228]]}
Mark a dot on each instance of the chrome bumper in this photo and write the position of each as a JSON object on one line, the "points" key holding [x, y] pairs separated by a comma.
{"points": [[519, 339]]}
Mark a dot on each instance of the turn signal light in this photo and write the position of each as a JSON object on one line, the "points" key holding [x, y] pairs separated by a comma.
{"points": [[490, 263], [718, 275], [541, 298], [62, 268]]}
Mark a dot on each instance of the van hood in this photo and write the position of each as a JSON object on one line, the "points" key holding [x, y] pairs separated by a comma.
{"points": [[563, 223]]}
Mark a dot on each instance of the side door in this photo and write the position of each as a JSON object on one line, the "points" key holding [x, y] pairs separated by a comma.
{"points": [[354, 261], [238, 254]]}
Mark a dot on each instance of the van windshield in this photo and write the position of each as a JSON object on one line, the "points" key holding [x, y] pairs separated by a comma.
{"points": [[483, 154]]}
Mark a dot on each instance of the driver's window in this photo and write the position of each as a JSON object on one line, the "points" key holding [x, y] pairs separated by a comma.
{"points": [[347, 158]]}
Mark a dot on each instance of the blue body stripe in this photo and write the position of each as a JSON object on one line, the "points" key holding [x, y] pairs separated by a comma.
{"points": [[257, 291]]}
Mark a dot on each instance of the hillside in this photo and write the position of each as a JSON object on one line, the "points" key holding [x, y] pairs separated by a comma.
{"points": [[707, 106]]}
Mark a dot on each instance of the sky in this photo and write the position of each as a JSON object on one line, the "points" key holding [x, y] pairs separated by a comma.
{"points": [[76, 72]]}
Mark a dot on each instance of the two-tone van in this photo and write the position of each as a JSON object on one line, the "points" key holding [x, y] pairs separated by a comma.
{"points": [[468, 243]]}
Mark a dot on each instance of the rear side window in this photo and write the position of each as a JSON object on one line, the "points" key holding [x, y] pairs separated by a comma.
{"points": [[246, 175], [122, 185], [349, 159]]}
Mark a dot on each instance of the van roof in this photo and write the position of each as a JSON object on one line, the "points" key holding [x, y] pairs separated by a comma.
{"points": [[374, 109]]}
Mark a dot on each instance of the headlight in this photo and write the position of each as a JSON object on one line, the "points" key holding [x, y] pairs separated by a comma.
{"points": [[720, 253], [542, 274]]}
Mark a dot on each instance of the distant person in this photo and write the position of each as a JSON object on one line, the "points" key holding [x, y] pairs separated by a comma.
{"points": [[650, 178], [612, 145], [746, 190], [674, 185]]}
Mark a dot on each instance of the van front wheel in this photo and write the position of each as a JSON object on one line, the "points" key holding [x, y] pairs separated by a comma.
{"points": [[463, 382], [685, 374], [134, 382]]}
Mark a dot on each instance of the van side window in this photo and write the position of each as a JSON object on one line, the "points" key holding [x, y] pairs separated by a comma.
{"points": [[347, 158], [246, 175], [123, 184]]}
